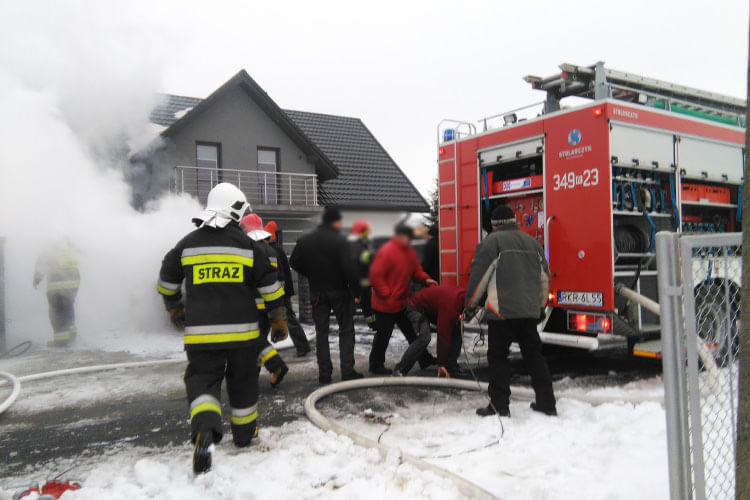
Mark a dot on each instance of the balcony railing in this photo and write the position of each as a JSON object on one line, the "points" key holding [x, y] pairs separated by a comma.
{"points": [[261, 188]]}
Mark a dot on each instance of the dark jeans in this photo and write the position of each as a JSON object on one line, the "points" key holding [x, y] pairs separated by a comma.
{"points": [[384, 323], [422, 326], [342, 305], [296, 332], [203, 376], [500, 335]]}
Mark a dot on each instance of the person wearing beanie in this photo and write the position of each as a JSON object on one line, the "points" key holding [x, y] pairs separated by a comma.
{"points": [[322, 256], [395, 266], [509, 276], [331, 215]]}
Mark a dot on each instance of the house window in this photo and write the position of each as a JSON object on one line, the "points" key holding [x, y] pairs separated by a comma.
{"points": [[267, 175], [207, 159]]}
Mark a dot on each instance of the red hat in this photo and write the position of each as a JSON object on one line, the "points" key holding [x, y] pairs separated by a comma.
{"points": [[360, 226], [252, 224], [271, 228]]}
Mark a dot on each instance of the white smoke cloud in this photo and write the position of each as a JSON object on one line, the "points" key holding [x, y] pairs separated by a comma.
{"points": [[76, 86]]}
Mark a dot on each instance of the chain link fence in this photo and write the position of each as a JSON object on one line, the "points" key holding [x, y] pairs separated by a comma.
{"points": [[700, 279]]}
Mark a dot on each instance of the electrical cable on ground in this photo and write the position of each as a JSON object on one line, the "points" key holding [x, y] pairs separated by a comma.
{"points": [[16, 350]]}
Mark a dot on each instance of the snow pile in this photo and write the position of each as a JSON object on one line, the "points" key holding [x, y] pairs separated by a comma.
{"points": [[614, 451], [296, 460]]}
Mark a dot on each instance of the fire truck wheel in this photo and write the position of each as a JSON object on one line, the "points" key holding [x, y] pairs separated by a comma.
{"points": [[717, 306]]}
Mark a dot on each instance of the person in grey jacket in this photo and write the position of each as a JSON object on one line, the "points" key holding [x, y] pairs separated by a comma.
{"points": [[509, 277]]}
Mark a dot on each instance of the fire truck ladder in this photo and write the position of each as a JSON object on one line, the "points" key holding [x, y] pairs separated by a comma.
{"points": [[598, 82]]}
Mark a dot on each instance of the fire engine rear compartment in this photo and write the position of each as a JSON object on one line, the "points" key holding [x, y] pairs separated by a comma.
{"points": [[593, 185]]}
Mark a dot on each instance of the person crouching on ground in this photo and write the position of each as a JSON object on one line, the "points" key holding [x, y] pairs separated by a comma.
{"points": [[442, 305]]}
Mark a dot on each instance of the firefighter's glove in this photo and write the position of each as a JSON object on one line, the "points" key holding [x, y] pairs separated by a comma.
{"points": [[279, 328], [177, 316]]}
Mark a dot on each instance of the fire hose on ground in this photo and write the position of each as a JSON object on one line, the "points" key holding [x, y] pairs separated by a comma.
{"points": [[466, 487]]}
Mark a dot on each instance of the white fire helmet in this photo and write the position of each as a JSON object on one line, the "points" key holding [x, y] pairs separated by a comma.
{"points": [[225, 203]]}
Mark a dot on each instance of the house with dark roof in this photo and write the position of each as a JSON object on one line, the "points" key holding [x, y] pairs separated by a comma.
{"points": [[290, 164]]}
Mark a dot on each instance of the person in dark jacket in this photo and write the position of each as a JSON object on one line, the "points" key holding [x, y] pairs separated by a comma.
{"points": [[441, 305], [296, 332], [323, 257], [395, 266], [431, 257], [509, 276], [222, 270], [362, 254]]}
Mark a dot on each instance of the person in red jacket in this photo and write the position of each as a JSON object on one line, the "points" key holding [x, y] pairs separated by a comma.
{"points": [[395, 266], [440, 304]]}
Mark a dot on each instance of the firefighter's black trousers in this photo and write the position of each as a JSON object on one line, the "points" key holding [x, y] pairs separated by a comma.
{"points": [[365, 304], [203, 377], [500, 334], [61, 311], [296, 332]]}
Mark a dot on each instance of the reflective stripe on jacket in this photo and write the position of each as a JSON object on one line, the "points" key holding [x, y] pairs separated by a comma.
{"points": [[223, 271], [60, 269]]}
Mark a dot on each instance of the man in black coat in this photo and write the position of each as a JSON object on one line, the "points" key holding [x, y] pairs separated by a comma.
{"points": [[323, 257]]}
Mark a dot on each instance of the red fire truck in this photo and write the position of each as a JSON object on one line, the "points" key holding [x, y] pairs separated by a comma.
{"points": [[593, 184]]}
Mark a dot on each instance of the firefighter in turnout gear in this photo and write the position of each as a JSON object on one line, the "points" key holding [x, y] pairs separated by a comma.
{"points": [[59, 266], [269, 357], [223, 271], [362, 253]]}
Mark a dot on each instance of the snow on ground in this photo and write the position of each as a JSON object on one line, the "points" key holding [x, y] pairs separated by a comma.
{"points": [[609, 452]]}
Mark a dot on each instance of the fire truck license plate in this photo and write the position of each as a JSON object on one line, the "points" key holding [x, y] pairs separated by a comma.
{"points": [[594, 299]]}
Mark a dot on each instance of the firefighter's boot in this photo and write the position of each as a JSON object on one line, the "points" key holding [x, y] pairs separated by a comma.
{"points": [[202, 452], [278, 375]]}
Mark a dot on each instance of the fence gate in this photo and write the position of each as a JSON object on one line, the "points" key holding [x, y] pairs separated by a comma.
{"points": [[700, 278]]}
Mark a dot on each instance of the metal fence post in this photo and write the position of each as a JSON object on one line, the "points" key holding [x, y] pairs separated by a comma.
{"points": [[673, 361], [2, 294]]}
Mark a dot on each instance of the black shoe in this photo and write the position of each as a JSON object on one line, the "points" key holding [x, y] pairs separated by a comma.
{"points": [[397, 371], [489, 410], [202, 452], [380, 370], [278, 375], [352, 376], [324, 380], [552, 412]]}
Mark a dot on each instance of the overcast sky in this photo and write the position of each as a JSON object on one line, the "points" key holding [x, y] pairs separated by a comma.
{"points": [[400, 66]]}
